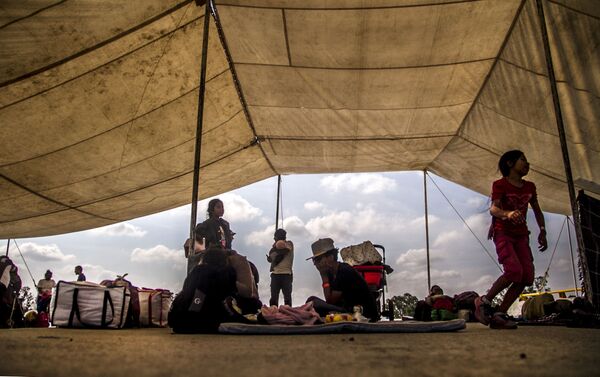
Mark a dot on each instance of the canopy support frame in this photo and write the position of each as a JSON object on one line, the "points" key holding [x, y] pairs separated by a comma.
{"points": [[199, 126], [427, 230], [564, 148], [278, 202]]}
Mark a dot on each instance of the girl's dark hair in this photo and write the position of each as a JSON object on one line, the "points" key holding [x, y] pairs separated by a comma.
{"points": [[508, 160], [211, 206]]}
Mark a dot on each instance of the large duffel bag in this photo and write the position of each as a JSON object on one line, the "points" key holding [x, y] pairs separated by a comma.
{"points": [[89, 305], [154, 306]]}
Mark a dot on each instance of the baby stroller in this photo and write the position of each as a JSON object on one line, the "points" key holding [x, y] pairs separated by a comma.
{"points": [[367, 261]]}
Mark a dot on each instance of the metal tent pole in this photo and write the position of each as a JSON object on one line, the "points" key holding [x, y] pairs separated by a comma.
{"points": [[427, 230], [564, 148], [278, 197], [198, 146], [572, 257], [7, 246]]}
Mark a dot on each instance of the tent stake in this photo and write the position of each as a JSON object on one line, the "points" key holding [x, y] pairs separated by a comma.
{"points": [[198, 146], [427, 231], [278, 196], [565, 151]]}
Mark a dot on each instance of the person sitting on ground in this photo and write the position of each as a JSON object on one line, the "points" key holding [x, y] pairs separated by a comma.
{"points": [[424, 307], [343, 287], [281, 257], [79, 273], [200, 306], [247, 276], [44, 287]]}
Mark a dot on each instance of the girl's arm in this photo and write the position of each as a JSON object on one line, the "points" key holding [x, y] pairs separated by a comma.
{"points": [[497, 211], [539, 218]]}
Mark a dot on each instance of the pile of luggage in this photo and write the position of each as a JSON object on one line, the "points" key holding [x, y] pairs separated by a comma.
{"points": [[111, 304]]}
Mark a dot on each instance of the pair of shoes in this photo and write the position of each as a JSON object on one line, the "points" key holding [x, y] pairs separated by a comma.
{"points": [[501, 321], [483, 311]]}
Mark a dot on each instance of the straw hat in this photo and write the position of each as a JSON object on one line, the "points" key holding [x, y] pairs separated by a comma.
{"points": [[321, 246]]}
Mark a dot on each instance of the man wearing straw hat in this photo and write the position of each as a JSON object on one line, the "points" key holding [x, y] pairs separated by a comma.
{"points": [[343, 287]]}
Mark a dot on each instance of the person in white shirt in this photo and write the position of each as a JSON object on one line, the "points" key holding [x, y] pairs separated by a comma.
{"points": [[44, 287]]}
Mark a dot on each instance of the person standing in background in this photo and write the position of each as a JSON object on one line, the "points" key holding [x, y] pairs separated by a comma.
{"points": [[281, 257], [79, 273]]}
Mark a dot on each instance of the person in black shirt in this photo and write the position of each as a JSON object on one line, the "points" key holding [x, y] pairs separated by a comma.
{"points": [[343, 287]]}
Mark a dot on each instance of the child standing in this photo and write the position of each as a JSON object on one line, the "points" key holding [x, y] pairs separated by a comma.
{"points": [[511, 196]]}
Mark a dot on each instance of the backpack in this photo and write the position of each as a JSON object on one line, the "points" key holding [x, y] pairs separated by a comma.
{"points": [[443, 302], [533, 308], [10, 286], [199, 307], [465, 300], [133, 313]]}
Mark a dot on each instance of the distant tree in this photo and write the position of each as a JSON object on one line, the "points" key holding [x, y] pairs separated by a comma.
{"points": [[404, 305], [26, 299], [539, 285]]}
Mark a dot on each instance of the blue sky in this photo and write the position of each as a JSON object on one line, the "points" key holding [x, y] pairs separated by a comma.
{"points": [[385, 208]]}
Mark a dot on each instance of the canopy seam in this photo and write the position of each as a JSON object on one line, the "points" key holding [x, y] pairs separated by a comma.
{"points": [[489, 149], [238, 85], [487, 77], [47, 198], [573, 9], [212, 162], [135, 162], [353, 8], [370, 68], [353, 138], [568, 83], [120, 125], [97, 46], [40, 10], [528, 126], [98, 67], [356, 109]]}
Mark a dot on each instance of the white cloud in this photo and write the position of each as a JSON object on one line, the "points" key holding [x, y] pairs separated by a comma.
{"points": [[361, 222], [121, 229], [264, 238], [448, 238], [313, 206], [367, 183], [236, 208], [416, 258], [44, 253], [158, 253], [477, 202]]}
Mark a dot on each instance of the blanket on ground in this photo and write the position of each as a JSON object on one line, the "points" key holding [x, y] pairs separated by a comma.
{"points": [[344, 327]]}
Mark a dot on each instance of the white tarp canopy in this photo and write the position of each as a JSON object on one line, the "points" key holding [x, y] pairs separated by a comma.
{"points": [[98, 99]]}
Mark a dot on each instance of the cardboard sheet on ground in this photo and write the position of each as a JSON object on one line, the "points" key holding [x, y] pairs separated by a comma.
{"points": [[343, 327]]}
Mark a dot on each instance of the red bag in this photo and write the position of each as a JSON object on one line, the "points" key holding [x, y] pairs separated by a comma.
{"points": [[443, 302]]}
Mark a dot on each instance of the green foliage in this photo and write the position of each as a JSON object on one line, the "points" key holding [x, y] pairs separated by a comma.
{"points": [[26, 299], [539, 285], [404, 305]]}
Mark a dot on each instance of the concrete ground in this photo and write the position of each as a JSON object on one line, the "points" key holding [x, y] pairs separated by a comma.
{"points": [[475, 351]]}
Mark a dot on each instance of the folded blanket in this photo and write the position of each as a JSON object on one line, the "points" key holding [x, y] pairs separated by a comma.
{"points": [[287, 315]]}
